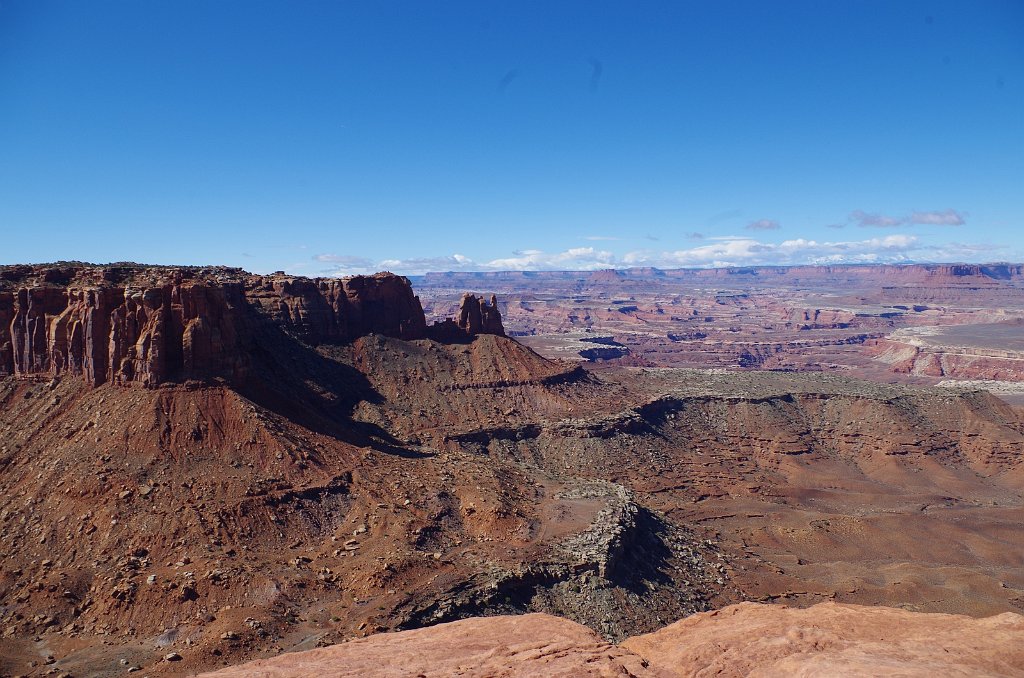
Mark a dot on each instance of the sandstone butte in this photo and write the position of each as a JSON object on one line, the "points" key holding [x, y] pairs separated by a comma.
{"points": [[147, 325], [747, 639]]}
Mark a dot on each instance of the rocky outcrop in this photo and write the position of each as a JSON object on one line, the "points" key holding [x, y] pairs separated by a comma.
{"points": [[323, 310], [475, 316], [604, 353], [126, 334], [960, 363], [608, 575], [6, 343], [147, 325], [829, 639], [741, 640], [924, 352], [527, 645]]}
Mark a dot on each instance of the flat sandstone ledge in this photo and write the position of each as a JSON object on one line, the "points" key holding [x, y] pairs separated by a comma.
{"points": [[748, 639]]}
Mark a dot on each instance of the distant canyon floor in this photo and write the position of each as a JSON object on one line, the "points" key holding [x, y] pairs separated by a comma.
{"points": [[916, 324]]}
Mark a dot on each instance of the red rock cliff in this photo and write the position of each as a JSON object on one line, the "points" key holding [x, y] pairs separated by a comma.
{"points": [[145, 333], [146, 325], [339, 309]]}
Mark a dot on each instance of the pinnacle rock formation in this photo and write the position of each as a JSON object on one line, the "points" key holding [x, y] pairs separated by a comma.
{"points": [[475, 316]]}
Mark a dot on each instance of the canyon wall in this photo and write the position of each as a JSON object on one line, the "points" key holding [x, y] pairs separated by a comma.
{"points": [[956, 362], [147, 325], [324, 310]]}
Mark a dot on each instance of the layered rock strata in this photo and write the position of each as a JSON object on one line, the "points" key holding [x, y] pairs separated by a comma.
{"points": [[148, 325], [923, 351]]}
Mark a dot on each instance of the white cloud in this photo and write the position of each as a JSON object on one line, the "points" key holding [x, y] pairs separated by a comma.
{"points": [[763, 225], [452, 262], [344, 264], [862, 218], [712, 252], [972, 252], [343, 260], [638, 257], [576, 258], [948, 217], [749, 251]]}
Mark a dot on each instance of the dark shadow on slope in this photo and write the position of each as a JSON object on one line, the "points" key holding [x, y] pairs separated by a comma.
{"points": [[292, 379], [642, 561]]}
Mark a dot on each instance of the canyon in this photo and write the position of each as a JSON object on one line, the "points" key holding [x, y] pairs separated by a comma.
{"points": [[883, 323], [203, 466]]}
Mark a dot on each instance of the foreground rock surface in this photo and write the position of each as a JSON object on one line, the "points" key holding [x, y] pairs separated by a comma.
{"points": [[741, 640], [830, 639], [525, 645]]}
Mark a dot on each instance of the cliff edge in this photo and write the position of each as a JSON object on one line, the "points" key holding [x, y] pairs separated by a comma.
{"points": [[128, 323]]}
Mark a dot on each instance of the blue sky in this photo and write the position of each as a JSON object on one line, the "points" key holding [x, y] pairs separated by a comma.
{"points": [[341, 137]]}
